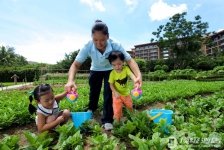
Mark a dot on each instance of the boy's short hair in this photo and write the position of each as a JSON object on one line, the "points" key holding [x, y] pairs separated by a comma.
{"points": [[114, 55]]}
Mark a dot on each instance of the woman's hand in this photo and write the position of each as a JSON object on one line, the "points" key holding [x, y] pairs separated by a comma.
{"points": [[70, 86], [138, 82], [136, 85]]}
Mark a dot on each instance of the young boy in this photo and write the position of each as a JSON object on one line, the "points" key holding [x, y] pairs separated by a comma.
{"points": [[118, 83]]}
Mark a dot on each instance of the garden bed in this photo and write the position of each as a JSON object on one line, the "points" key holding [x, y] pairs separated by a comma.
{"points": [[196, 118]]}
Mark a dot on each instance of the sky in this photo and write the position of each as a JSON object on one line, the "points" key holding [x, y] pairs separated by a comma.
{"points": [[45, 30]]}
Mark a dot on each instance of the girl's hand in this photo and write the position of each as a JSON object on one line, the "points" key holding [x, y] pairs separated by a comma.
{"points": [[61, 119]]}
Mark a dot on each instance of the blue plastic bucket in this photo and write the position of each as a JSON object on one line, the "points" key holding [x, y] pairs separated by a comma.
{"points": [[166, 114], [79, 117]]}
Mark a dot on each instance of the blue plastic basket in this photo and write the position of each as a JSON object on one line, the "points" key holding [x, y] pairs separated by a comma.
{"points": [[79, 117], [166, 114]]}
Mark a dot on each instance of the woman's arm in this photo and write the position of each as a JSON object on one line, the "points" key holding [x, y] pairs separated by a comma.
{"points": [[134, 79], [134, 67], [71, 75]]}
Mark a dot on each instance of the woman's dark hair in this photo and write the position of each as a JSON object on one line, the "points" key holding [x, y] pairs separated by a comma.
{"points": [[100, 26], [37, 93], [114, 55]]}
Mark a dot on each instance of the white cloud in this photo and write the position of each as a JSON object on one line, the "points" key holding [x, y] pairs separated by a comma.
{"points": [[53, 49], [94, 4], [132, 4], [2, 44], [197, 6], [161, 10], [220, 30], [99, 6]]}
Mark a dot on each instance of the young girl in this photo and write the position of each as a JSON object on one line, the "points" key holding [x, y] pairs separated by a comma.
{"points": [[48, 113], [118, 83]]}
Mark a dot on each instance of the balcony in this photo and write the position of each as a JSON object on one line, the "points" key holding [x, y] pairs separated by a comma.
{"points": [[153, 51]]}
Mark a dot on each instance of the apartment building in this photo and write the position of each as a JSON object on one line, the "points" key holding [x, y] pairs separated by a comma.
{"points": [[132, 52], [150, 51], [218, 39]]}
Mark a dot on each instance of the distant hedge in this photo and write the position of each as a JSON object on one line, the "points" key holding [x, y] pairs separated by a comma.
{"points": [[28, 75]]}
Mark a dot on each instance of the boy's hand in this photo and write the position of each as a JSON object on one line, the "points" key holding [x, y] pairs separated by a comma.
{"points": [[117, 95]]}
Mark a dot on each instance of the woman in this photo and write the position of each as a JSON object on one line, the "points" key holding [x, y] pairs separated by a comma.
{"points": [[99, 49]]}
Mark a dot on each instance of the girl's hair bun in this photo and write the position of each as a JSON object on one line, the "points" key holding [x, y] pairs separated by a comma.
{"points": [[98, 21]]}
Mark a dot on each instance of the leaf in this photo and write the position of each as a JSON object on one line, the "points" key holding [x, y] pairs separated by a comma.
{"points": [[62, 138], [46, 142], [31, 137], [214, 113], [99, 140], [218, 123], [139, 143], [40, 148], [4, 147], [41, 136], [11, 141], [215, 139], [79, 147]]}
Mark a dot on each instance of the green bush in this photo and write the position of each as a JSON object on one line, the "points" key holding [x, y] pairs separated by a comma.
{"points": [[165, 68], [204, 65], [218, 70], [182, 74], [157, 67], [141, 63], [25, 75], [158, 75]]}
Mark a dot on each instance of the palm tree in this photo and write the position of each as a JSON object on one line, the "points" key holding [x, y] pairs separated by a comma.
{"points": [[21, 60], [7, 56]]}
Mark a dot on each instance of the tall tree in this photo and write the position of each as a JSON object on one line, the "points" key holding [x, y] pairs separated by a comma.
{"points": [[7, 56], [21, 60], [183, 38], [68, 60]]}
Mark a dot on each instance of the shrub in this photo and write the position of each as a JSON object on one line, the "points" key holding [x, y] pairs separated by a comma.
{"points": [[218, 70], [165, 68], [204, 65], [158, 75], [182, 74], [24, 74], [157, 67]]}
